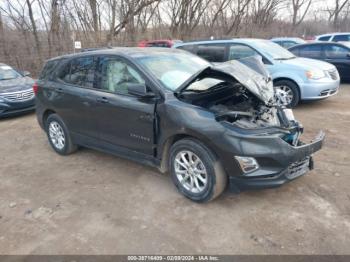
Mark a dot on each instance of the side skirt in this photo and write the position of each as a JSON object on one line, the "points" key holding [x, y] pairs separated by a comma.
{"points": [[118, 151]]}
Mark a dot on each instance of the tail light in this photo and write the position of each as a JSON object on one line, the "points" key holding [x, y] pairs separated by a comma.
{"points": [[35, 88]]}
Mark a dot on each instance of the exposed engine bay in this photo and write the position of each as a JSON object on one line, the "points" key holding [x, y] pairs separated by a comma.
{"points": [[233, 103]]}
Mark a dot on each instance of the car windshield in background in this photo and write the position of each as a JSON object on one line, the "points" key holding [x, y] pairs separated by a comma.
{"points": [[274, 50], [8, 73], [173, 69]]}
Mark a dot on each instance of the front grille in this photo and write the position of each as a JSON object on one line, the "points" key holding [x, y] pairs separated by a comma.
{"points": [[333, 73], [298, 168], [18, 96]]}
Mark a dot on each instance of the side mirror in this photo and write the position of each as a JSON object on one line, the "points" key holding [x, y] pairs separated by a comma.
{"points": [[139, 90], [348, 55], [26, 73]]}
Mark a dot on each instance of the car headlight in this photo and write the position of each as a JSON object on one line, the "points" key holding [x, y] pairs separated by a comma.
{"points": [[315, 74], [247, 164]]}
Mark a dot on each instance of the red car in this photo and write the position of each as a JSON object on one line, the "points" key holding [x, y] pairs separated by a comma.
{"points": [[158, 43]]}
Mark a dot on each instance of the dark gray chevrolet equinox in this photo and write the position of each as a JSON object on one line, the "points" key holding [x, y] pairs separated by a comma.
{"points": [[208, 125]]}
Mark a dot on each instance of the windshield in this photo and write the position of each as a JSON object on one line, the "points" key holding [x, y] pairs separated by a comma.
{"points": [[173, 69], [8, 73], [274, 50]]}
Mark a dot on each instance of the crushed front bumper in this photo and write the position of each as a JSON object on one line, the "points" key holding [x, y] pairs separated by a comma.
{"points": [[300, 162]]}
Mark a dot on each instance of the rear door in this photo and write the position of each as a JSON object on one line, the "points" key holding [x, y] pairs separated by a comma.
{"points": [[123, 119], [70, 95], [338, 55]]}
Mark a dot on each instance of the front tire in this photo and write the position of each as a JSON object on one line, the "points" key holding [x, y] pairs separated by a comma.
{"points": [[58, 135], [195, 171], [291, 90]]}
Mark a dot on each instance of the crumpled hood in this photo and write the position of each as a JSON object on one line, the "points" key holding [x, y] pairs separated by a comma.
{"points": [[252, 75], [17, 84], [307, 63]]}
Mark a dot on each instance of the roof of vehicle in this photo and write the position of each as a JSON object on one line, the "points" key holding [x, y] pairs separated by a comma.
{"points": [[2, 64], [222, 41], [123, 51], [159, 40], [318, 43], [297, 39], [336, 33]]}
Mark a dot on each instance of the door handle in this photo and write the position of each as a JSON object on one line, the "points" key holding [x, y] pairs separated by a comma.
{"points": [[59, 90], [103, 100]]}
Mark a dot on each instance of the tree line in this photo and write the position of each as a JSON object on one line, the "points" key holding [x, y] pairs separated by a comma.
{"points": [[32, 31]]}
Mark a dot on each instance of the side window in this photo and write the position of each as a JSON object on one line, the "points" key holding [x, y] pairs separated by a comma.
{"points": [[79, 71], [189, 48], [64, 73], [241, 51], [115, 75], [324, 38], [295, 51], [48, 69], [212, 52], [158, 44], [339, 38], [335, 51], [313, 51], [82, 72], [288, 44]]}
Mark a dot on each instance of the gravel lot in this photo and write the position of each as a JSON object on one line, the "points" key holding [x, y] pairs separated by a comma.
{"points": [[94, 203]]}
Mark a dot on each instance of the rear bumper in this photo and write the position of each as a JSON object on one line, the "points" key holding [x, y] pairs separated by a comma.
{"points": [[300, 163]]}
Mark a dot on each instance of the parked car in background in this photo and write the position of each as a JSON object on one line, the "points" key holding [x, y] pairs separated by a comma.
{"points": [[299, 78], [158, 43], [287, 42], [331, 52], [209, 126], [334, 37], [16, 93]]}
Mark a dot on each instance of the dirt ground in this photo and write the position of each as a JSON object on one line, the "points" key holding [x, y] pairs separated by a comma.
{"points": [[94, 203]]}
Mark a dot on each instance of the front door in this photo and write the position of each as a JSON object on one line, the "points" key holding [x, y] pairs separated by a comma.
{"points": [[123, 119]]}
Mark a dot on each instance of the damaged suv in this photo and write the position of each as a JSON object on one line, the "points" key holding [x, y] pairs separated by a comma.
{"points": [[209, 126]]}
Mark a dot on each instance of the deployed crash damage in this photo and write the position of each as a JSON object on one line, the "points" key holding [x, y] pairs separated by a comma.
{"points": [[241, 96]]}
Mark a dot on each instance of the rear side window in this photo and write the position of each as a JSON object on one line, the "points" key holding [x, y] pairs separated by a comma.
{"points": [[241, 51], [212, 52], [313, 51], [48, 69], [324, 38], [338, 38], [79, 71]]}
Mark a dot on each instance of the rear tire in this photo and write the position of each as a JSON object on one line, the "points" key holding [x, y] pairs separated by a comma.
{"points": [[195, 171], [58, 135], [293, 88]]}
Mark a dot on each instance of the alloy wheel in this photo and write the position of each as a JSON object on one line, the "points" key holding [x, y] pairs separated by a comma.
{"points": [[57, 136], [190, 171], [287, 93]]}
